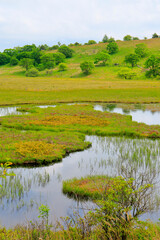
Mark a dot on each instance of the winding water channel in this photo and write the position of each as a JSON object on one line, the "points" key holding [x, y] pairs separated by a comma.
{"points": [[22, 195]]}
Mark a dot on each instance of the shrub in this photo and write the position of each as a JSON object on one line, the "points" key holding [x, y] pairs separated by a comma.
{"points": [[112, 48], [87, 67], [126, 73], [62, 67], [32, 72]]}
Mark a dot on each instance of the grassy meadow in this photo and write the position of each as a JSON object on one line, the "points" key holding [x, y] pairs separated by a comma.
{"points": [[72, 85]]}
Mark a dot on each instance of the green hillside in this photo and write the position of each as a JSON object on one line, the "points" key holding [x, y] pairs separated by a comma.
{"points": [[103, 84]]}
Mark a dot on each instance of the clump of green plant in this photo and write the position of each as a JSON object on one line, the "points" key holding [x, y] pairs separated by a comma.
{"points": [[87, 67], [126, 73], [62, 67], [32, 72]]}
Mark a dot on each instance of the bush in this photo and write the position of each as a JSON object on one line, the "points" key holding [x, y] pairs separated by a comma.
{"points": [[126, 73], [32, 72], [112, 48], [62, 67], [87, 67], [66, 51], [14, 61]]}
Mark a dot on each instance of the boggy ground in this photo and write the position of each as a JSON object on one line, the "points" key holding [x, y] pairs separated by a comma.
{"points": [[46, 135]]}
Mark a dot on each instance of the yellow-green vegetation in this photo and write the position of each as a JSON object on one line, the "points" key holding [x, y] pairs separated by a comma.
{"points": [[83, 119], [38, 148], [143, 230], [103, 84], [92, 187]]}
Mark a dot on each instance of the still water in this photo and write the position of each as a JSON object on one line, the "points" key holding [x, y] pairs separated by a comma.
{"points": [[20, 196]]}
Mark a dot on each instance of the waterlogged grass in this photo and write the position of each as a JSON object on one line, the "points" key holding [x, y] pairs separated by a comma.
{"points": [[92, 187], [81, 118], [20, 147]]}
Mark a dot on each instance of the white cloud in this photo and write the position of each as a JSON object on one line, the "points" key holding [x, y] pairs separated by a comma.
{"points": [[64, 20]]}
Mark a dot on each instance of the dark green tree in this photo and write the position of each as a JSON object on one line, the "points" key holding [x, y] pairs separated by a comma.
{"points": [[14, 61], [105, 39], [66, 51], [153, 66], [132, 59], [48, 60], [102, 57], [155, 35], [112, 47], [26, 63], [127, 38], [59, 57], [141, 50], [4, 58], [87, 67]]}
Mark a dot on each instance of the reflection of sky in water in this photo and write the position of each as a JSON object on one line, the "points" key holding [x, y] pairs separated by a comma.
{"points": [[146, 116], [102, 158]]}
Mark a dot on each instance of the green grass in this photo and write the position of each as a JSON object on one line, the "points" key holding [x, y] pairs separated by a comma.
{"points": [[92, 187], [37, 148], [71, 85]]}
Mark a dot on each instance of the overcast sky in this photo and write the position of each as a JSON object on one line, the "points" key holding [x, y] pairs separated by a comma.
{"points": [[49, 21]]}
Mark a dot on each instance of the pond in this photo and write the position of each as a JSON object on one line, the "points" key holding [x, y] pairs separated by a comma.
{"points": [[21, 195]]}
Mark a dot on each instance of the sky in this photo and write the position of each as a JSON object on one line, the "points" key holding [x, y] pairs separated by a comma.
{"points": [[68, 21]]}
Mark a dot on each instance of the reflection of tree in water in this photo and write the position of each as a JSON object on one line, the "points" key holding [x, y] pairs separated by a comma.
{"points": [[15, 188], [139, 160], [109, 107]]}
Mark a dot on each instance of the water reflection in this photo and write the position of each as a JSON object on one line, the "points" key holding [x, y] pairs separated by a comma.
{"points": [[138, 115], [108, 155]]}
